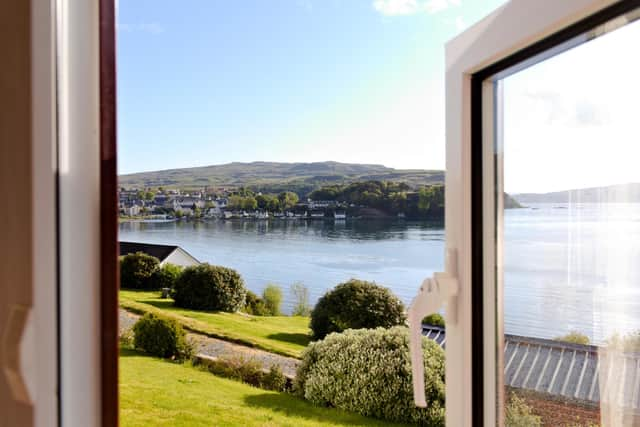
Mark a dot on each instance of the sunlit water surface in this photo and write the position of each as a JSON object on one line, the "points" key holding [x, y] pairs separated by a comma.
{"points": [[567, 267]]}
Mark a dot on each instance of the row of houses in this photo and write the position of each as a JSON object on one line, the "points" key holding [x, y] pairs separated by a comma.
{"points": [[317, 214], [132, 203]]}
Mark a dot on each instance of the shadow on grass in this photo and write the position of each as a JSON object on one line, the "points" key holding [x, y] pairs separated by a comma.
{"points": [[296, 338], [166, 303], [292, 406], [127, 352]]}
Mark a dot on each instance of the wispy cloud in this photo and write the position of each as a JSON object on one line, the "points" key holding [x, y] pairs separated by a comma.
{"points": [[145, 27], [412, 7]]}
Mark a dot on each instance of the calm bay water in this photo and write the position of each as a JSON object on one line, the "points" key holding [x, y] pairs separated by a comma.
{"points": [[566, 267]]}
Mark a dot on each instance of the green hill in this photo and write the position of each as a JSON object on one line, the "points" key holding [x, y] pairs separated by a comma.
{"points": [[275, 177]]}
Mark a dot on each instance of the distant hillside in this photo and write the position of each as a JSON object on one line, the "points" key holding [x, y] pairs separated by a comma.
{"points": [[623, 193], [275, 177], [510, 202]]}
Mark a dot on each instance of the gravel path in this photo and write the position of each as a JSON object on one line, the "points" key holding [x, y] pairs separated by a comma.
{"points": [[214, 347]]}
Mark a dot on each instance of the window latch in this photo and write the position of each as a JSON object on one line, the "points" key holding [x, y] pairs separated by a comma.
{"points": [[435, 292]]}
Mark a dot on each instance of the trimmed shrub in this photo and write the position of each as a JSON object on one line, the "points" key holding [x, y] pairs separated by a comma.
{"points": [[236, 367], [161, 337], [356, 304], [434, 319], [274, 379], [369, 372], [272, 296], [628, 342], [518, 414], [136, 271], [209, 287], [301, 306], [248, 371], [254, 305], [574, 337], [166, 276]]}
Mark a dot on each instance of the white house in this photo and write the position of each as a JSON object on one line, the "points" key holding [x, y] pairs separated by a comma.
{"points": [[167, 254]]}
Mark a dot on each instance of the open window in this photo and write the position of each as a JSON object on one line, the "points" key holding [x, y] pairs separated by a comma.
{"points": [[532, 108]]}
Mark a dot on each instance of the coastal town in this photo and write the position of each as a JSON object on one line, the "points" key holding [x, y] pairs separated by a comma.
{"points": [[372, 199], [176, 204]]}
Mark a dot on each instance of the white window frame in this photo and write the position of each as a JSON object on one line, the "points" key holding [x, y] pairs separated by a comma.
{"points": [[472, 383], [78, 99], [512, 28]]}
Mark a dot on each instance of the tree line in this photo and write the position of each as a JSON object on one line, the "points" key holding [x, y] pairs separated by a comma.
{"points": [[247, 200], [390, 197]]}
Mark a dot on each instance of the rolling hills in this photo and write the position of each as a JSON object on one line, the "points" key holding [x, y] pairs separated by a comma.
{"points": [[275, 177]]}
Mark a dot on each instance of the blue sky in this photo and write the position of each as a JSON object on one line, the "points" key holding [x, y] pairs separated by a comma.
{"points": [[204, 82]]}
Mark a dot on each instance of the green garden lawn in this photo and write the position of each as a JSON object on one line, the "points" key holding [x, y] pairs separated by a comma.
{"points": [[286, 335], [155, 392]]}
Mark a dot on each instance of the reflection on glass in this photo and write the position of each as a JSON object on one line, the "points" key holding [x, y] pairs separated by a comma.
{"points": [[571, 278]]}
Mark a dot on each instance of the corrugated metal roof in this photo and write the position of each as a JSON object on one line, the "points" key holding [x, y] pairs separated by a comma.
{"points": [[570, 371]]}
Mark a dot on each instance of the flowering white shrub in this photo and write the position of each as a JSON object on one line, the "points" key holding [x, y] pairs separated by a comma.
{"points": [[368, 371]]}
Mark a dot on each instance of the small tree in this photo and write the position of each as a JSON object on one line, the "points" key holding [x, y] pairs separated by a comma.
{"points": [[287, 200], [249, 203], [272, 296], [209, 287], [301, 305], [356, 304], [136, 271]]}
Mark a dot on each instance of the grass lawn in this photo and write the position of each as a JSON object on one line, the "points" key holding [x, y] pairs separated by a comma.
{"points": [[286, 335], [154, 392]]}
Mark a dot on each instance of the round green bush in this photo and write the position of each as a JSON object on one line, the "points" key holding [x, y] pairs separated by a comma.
{"points": [[166, 276], [136, 271], [161, 337], [434, 319], [356, 304], [209, 287], [368, 371]]}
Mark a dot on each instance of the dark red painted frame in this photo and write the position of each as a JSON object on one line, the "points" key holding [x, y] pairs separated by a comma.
{"points": [[109, 271]]}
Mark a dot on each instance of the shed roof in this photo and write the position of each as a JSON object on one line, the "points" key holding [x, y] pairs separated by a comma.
{"points": [[159, 251], [570, 371]]}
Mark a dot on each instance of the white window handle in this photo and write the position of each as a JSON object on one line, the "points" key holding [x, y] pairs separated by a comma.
{"points": [[433, 294]]}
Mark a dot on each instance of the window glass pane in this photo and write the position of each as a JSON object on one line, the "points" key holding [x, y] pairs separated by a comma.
{"points": [[571, 235], [299, 143]]}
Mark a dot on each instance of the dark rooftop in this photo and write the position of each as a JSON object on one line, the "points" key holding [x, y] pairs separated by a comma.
{"points": [[159, 251]]}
